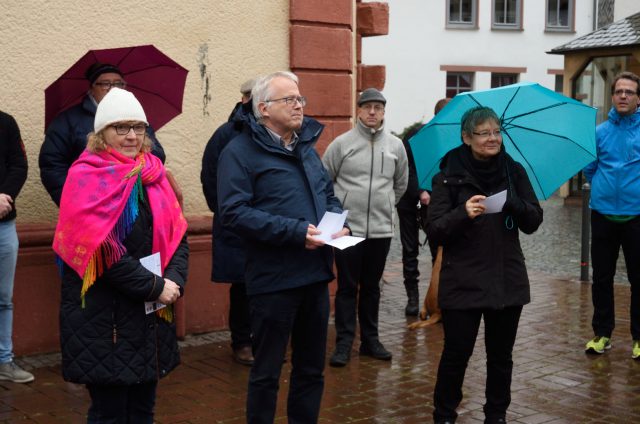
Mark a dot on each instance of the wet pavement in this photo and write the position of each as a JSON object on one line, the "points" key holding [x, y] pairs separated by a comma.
{"points": [[553, 380]]}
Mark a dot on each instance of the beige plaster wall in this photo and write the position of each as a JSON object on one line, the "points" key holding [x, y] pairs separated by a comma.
{"points": [[222, 43]]}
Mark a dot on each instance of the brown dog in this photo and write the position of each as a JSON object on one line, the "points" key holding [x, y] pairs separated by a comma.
{"points": [[430, 307]]}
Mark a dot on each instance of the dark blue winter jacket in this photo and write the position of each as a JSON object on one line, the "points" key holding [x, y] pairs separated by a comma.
{"points": [[227, 248], [64, 141], [268, 196]]}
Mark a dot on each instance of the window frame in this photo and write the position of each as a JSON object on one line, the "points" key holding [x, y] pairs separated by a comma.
{"points": [[517, 25], [505, 74], [570, 27], [472, 76], [459, 24]]}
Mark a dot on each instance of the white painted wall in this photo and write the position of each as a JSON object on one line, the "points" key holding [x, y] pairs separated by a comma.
{"points": [[624, 8], [418, 44]]}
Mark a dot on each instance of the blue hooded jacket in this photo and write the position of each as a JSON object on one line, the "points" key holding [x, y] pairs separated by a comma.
{"points": [[268, 196], [615, 186]]}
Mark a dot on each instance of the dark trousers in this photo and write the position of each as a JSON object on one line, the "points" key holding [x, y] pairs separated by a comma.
{"points": [[131, 404], [460, 332], [606, 239], [239, 323], [303, 314], [409, 238], [360, 269]]}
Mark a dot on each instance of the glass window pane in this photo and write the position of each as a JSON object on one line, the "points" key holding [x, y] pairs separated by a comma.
{"points": [[454, 10], [563, 13], [466, 12], [465, 80]]}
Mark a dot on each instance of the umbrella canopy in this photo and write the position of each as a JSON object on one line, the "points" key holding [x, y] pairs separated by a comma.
{"points": [[551, 135], [155, 79]]}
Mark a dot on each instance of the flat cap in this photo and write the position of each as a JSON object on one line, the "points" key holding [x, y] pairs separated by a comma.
{"points": [[371, 95]]}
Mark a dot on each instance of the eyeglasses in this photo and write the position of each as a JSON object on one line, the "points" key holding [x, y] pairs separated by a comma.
{"points": [[376, 108], [123, 129], [627, 93], [487, 134], [107, 85], [290, 101]]}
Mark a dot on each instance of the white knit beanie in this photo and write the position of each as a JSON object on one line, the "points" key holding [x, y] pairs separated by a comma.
{"points": [[116, 106]]}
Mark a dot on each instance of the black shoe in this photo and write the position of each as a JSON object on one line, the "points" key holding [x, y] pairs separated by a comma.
{"points": [[500, 420], [340, 356], [411, 310], [243, 355], [375, 350]]}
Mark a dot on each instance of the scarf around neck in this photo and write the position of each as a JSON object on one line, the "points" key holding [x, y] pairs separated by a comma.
{"points": [[489, 174], [100, 202]]}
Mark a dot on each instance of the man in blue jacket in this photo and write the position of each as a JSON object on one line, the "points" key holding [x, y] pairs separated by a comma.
{"points": [[615, 211], [272, 192], [66, 136]]}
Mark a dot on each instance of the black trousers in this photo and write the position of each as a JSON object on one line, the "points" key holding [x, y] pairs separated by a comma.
{"points": [[239, 323], [131, 404], [360, 269], [606, 239], [303, 314], [460, 332], [409, 238]]}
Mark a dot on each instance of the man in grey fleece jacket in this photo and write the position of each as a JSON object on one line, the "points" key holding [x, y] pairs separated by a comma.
{"points": [[370, 171]]}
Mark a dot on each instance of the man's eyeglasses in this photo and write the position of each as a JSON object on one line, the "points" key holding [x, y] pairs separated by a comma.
{"points": [[123, 129], [107, 85], [627, 93], [376, 108], [487, 134], [290, 101]]}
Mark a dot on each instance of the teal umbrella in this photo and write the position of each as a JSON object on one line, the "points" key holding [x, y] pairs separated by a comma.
{"points": [[551, 135]]}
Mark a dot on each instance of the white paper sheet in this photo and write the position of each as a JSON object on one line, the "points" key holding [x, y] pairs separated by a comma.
{"points": [[152, 263], [494, 204], [332, 223]]}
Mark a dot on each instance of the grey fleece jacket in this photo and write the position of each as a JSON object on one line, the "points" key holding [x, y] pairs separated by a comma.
{"points": [[369, 169]]}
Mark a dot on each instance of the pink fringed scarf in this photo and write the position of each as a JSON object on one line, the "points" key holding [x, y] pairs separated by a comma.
{"points": [[99, 205]]}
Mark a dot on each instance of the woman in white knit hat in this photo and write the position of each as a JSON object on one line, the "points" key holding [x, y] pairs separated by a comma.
{"points": [[116, 208]]}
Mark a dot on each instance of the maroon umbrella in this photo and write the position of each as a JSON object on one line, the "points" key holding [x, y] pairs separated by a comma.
{"points": [[155, 79]]}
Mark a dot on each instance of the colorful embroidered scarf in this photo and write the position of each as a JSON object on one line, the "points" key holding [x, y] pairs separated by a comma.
{"points": [[99, 205]]}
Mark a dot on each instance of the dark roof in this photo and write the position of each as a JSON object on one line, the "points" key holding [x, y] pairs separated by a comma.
{"points": [[622, 33]]}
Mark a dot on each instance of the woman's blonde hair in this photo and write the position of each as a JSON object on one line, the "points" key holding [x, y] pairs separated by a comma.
{"points": [[96, 142]]}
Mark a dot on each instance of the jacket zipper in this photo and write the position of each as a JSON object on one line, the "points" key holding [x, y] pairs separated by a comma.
{"points": [[382, 161], [370, 186]]}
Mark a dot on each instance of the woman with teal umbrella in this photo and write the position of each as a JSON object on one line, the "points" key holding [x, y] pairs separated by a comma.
{"points": [[483, 274]]}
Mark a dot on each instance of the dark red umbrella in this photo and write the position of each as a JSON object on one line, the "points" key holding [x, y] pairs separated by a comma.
{"points": [[155, 79]]}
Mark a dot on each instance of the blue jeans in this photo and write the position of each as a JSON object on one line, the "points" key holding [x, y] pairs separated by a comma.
{"points": [[8, 259]]}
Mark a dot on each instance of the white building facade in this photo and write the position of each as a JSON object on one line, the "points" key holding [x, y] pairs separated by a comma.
{"points": [[437, 48]]}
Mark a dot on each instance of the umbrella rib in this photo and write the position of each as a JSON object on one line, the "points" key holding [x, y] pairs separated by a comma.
{"points": [[129, 51], [528, 163], [512, 118], [545, 133]]}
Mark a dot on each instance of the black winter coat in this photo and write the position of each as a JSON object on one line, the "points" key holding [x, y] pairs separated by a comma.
{"points": [[228, 250], [111, 340], [64, 141], [13, 161], [269, 196], [483, 265]]}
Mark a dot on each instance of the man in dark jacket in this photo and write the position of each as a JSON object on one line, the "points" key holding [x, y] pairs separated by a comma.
{"points": [[66, 136], [13, 174], [408, 213], [272, 192], [228, 257]]}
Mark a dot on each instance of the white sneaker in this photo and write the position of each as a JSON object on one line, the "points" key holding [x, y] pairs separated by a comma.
{"points": [[12, 372]]}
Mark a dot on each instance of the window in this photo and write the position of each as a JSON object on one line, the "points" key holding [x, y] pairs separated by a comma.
{"points": [[559, 84], [560, 15], [499, 80], [459, 82], [507, 14], [462, 14]]}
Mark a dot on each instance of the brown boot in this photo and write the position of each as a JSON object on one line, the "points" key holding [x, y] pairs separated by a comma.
{"points": [[243, 355]]}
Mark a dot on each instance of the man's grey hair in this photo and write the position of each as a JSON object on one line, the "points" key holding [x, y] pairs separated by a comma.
{"points": [[262, 92]]}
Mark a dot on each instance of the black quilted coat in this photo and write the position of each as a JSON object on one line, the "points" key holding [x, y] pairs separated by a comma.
{"points": [[111, 340]]}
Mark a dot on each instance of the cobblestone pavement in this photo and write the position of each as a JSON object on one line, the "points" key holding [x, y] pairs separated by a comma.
{"points": [[553, 380]]}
